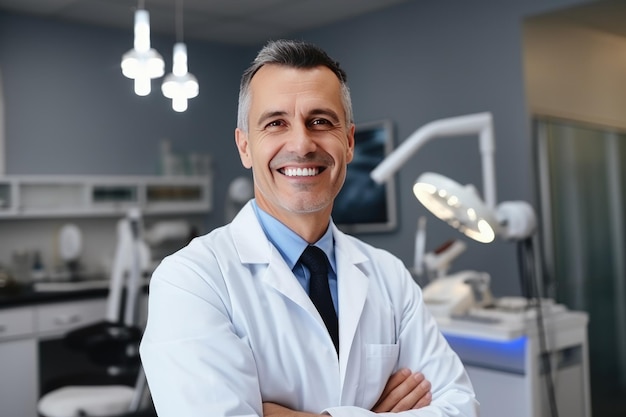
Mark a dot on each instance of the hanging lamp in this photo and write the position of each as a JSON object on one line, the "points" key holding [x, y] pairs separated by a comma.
{"points": [[180, 85], [142, 63]]}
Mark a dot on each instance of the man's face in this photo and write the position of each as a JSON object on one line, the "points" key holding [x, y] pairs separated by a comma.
{"points": [[298, 142]]}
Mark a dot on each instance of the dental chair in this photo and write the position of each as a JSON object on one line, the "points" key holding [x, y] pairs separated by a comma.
{"points": [[113, 344]]}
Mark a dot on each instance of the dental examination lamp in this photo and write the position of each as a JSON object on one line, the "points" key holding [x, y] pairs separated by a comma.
{"points": [[461, 206]]}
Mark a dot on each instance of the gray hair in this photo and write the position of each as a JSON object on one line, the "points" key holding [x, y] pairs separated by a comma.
{"points": [[295, 54]]}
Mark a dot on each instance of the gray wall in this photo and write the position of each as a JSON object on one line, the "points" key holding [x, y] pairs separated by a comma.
{"points": [[70, 111]]}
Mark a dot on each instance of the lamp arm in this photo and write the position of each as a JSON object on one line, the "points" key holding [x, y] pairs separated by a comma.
{"points": [[487, 153], [479, 123]]}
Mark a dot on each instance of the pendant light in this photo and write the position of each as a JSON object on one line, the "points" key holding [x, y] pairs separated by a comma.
{"points": [[180, 85], [142, 63]]}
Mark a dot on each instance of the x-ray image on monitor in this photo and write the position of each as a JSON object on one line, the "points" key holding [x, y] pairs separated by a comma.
{"points": [[362, 205]]}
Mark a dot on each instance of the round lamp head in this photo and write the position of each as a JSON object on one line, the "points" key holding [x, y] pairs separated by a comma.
{"points": [[459, 206]]}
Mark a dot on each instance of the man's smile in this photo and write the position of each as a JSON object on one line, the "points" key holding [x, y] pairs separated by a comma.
{"points": [[300, 172]]}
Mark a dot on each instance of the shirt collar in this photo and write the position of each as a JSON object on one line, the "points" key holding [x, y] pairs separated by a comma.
{"points": [[290, 244]]}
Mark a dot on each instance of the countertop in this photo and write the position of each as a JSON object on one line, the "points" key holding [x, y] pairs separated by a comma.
{"points": [[24, 295]]}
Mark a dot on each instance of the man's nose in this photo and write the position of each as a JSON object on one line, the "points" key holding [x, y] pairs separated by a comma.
{"points": [[303, 141]]}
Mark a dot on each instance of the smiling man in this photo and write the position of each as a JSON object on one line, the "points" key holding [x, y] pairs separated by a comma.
{"points": [[279, 313]]}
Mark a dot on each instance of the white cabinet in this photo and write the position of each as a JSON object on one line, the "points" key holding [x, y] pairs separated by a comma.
{"points": [[18, 363], [54, 320], [16, 322], [507, 370], [18, 377], [64, 196]]}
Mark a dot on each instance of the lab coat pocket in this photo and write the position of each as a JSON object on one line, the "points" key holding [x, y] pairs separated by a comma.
{"points": [[380, 362]]}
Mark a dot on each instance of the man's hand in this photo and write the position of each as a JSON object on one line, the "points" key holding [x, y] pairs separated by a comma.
{"points": [[404, 391], [275, 410]]}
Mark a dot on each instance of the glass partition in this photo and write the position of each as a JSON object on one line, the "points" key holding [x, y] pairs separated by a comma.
{"points": [[582, 184]]}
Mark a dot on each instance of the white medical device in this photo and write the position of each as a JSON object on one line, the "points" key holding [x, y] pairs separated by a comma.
{"points": [[454, 295]]}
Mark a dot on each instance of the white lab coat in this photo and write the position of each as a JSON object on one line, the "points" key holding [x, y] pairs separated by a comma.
{"points": [[230, 327]]}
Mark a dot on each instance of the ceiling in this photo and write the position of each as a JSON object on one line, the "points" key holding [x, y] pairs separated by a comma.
{"points": [[250, 22], [225, 21]]}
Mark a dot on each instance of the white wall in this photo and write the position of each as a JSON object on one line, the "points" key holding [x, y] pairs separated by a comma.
{"points": [[575, 73]]}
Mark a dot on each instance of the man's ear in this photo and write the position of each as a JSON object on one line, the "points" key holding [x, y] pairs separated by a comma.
{"points": [[241, 139]]}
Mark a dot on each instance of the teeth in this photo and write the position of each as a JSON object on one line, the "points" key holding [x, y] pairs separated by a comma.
{"points": [[301, 172]]}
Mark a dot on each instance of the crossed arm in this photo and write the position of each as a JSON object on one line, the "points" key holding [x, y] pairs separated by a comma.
{"points": [[404, 391]]}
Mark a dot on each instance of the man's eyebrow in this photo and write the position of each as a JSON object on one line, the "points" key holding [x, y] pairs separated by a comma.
{"points": [[326, 112], [269, 115]]}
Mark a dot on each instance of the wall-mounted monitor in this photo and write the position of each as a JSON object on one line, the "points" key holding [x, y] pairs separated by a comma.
{"points": [[363, 206]]}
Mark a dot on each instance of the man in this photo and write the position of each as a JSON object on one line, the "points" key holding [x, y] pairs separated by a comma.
{"points": [[231, 328]]}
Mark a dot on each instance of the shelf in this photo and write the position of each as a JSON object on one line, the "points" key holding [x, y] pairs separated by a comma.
{"points": [[89, 196]]}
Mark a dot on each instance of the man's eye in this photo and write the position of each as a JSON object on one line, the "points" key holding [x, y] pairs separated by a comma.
{"points": [[274, 123], [321, 123]]}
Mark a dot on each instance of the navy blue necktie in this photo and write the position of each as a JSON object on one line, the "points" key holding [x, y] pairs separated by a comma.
{"points": [[319, 291]]}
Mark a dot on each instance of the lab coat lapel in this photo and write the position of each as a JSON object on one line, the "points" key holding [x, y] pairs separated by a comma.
{"points": [[247, 233], [281, 278], [352, 285]]}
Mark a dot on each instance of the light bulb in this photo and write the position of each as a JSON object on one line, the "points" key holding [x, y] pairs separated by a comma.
{"points": [[142, 63], [179, 103], [180, 85], [142, 86]]}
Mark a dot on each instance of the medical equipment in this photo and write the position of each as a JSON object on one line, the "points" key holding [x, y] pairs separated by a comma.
{"points": [[502, 351], [448, 295], [112, 343], [480, 219], [455, 295], [440, 260], [420, 247]]}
